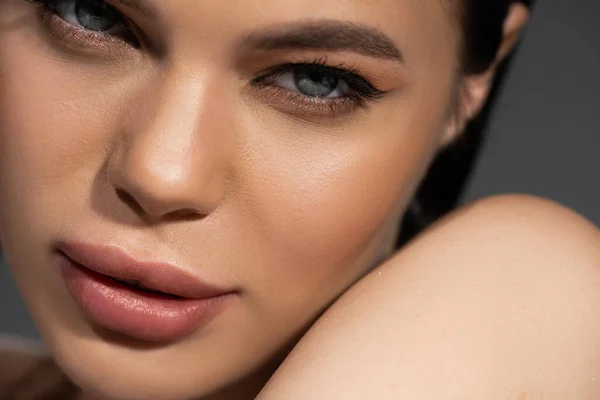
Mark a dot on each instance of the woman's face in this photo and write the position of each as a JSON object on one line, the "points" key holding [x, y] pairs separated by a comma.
{"points": [[198, 133]]}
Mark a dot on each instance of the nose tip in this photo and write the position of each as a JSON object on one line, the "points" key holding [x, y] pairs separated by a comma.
{"points": [[159, 188]]}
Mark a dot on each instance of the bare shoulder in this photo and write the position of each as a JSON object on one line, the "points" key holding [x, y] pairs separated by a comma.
{"points": [[531, 218], [500, 300]]}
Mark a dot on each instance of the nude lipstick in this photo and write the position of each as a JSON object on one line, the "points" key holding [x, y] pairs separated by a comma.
{"points": [[150, 301]]}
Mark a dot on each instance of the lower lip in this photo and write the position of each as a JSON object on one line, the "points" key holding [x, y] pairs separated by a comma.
{"points": [[135, 313]]}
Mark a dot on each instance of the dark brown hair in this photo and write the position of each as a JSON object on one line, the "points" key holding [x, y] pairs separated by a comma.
{"points": [[440, 190]]}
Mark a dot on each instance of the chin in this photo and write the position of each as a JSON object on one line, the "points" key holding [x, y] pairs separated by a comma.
{"points": [[113, 370]]}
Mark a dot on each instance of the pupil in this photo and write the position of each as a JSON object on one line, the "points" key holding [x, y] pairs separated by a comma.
{"points": [[95, 15], [315, 83]]}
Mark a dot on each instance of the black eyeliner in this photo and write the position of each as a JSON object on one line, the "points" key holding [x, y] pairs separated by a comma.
{"points": [[360, 86]]}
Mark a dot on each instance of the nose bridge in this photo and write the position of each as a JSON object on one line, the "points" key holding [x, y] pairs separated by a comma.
{"points": [[171, 156]]}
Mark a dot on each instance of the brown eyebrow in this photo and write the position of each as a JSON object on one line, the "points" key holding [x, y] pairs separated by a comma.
{"points": [[328, 35]]}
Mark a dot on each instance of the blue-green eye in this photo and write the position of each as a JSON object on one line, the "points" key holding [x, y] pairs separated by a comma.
{"points": [[89, 19], [314, 88], [94, 15], [313, 81]]}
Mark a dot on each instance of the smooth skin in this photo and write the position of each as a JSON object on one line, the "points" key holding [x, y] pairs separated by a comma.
{"points": [[500, 300], [171, 152]]}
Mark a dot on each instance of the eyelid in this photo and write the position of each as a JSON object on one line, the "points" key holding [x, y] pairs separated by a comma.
{"points": [[298, 105], [77, 37], [295, 103], [350, 76], [74, 41], [317, 63]]}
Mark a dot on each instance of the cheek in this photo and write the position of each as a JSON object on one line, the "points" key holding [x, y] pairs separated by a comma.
{"points": [[323, 203], [55, 123]]}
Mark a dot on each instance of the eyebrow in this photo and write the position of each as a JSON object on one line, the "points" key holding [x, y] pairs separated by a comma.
{"points": [[143, 7], [327, 35]]}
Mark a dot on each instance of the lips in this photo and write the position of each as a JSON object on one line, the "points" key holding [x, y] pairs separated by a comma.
{"points": [[160, 277], [151, 301]]}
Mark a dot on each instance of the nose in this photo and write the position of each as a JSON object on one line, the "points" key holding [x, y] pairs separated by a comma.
{"points": [[170, 159]]}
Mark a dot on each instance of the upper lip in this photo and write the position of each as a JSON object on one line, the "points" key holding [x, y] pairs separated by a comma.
{"points": [[158, 276]]}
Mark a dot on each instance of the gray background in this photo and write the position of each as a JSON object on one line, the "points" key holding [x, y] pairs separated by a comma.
{"points": [[542, 137]]}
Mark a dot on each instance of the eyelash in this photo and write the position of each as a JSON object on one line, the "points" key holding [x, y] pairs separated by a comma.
{"points": [[67, 32], [361, 91]]}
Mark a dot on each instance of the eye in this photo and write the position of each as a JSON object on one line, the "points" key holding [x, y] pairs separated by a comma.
{"points": [[315, 89], [313, 81], [94, 15]]}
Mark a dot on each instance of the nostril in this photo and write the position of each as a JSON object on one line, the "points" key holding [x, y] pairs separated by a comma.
{"points": [[186, 213], [178, 214], [129, 200]]}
